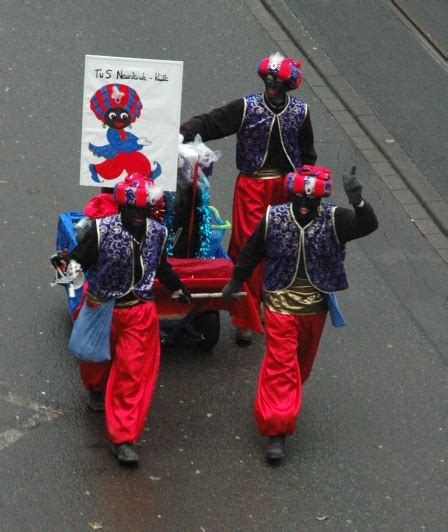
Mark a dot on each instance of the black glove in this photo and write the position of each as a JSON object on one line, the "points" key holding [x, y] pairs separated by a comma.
{"points": [[352, 187], [231, 288], [183, 295]]}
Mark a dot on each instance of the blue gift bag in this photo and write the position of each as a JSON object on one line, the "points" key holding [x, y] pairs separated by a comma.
{"points": [[90, 338], [337, 319]]}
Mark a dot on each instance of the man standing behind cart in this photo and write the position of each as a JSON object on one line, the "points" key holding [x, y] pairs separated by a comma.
{"points": [[123, 254], [303, 242], [274, 136]]}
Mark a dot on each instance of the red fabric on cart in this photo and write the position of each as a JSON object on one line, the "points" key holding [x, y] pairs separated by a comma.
{"points": [[207, 276], [100, 206], [202, 268]]}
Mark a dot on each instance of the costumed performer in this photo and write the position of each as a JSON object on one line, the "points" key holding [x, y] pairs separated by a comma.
{"points": [[274, 137], [123, 253], [303, 244]]}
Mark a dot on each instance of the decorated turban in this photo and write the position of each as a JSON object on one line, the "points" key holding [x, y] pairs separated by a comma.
{"points": [[285, 68], [114, 96], [138, 191], [310, 180]]}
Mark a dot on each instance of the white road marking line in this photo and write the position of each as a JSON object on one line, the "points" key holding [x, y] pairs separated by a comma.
{"points": [[43, 413]]}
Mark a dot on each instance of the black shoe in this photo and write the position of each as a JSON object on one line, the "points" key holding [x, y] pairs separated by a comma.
{"points": [[244, 336], [125, 453], [276, 448], [95, 401]]}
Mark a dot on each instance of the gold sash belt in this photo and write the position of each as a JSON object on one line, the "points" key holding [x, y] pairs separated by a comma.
{"points": [[118, 303], [265, 173]]}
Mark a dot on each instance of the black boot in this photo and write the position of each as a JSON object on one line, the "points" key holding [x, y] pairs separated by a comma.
{"points": [[276, 447], [95, 401], [244, 337], [125, 453]]}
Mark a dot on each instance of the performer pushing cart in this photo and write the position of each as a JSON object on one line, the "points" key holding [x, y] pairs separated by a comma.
{"points": [[123, 254], [274, 136]]}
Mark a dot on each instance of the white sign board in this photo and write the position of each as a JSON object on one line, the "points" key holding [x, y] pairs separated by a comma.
{"points": [[130, 121]]}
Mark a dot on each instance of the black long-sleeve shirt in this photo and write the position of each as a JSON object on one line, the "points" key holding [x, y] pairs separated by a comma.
{"points": [[86, 253], [349, 225], [227, 120]]}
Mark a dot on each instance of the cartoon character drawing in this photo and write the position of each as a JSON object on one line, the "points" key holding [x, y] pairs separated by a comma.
{"points": [[118, 106]]}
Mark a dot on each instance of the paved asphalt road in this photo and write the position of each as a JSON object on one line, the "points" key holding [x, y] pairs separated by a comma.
{"points": [[393, 68], [371, 448]]}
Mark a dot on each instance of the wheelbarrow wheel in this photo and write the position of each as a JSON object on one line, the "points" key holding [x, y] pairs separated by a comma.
{"points": [[208, 325]]}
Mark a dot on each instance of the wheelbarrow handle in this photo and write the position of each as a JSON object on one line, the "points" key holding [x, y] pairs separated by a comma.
{"points": [[213, 295]]}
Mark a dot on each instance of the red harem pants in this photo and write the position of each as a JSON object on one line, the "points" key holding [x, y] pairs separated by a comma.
{"points": [[131, 162], [291, 347], [251, 198], [129, 378]]}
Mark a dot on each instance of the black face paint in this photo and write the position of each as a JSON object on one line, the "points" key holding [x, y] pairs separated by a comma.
{"points": [[305, 207], [134, 217], [275, 89]]}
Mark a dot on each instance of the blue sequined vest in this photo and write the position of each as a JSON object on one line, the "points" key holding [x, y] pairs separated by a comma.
{"points": [[255, 132], [324, 255], [113, 274]]}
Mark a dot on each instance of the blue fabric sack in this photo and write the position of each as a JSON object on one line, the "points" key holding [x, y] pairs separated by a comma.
{"points": [[90, 338], [337, 319]]}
